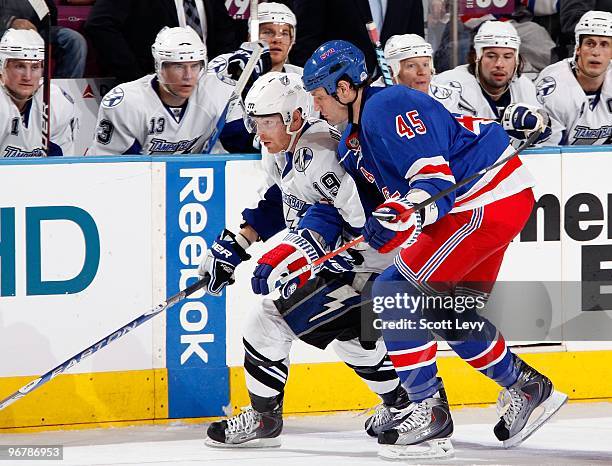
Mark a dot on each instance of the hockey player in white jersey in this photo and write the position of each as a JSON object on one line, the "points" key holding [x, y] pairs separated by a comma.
{"points": [[410, 58], [277, 29], [577, 91], [173, 111], [21, 100], [492, 87], [304, 177]]}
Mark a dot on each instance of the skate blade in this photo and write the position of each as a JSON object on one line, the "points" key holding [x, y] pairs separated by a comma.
{"points": [[431, 449], [255, 443], [552, 404]]}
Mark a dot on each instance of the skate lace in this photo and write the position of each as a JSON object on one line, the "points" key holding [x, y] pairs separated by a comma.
{"points": [[418, 414], [509, 404], [382, 415], [246, 421]]}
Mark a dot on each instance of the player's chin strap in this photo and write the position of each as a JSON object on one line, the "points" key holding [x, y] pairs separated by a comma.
{"points": [[349, 104], [294, 134], [578, 68]]}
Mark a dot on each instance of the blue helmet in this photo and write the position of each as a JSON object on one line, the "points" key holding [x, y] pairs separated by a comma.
{"points": [[330, 62]]}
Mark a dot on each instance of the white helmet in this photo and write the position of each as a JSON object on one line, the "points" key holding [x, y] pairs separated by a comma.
{"points": [[593, 23], [404, 46], [496, 34], [271, 12], [178, 44], [21, 44], [281, 93]]}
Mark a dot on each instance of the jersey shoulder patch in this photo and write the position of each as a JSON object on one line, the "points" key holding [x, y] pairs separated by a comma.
{"points": [[545, 87], [113, 98], [218, 64], [440, 92], [302, 158]]}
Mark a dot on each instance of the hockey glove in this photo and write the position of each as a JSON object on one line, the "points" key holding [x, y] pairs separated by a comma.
{"points": [[343, 262], [295, 251], [221, 260], [520, 120], [237, 62], [384, 231]]}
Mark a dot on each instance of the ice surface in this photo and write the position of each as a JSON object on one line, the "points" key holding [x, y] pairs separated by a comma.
{"points": [[581, 433]]}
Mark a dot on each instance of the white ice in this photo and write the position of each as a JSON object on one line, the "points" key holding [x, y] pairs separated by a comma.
{"points": [[581, 433]]}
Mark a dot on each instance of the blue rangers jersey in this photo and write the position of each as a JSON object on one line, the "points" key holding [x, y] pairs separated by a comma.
{"points": [[408, 141]]}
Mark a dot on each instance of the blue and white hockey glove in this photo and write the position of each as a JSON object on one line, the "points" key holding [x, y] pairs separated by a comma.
{"points": [[520, 120], [237, 62], [295, 251], [225, 254], [384, 231]]}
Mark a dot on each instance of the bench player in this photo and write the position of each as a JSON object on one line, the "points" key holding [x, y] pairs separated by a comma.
{"points": [[22, 53], [173, 111], [491, 84], [577, 91], [410, 58], [277, 28]]}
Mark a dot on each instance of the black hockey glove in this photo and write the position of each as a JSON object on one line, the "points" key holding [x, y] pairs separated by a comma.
{"points": [[237, 62], [520, 120], [221, 260]]}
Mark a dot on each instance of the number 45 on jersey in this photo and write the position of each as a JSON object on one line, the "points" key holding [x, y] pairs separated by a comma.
{"points": [[409, 124]]}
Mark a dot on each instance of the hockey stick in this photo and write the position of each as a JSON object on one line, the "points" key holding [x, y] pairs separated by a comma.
{"points": [[42, 11], [23, 391], [254, 20], [236, 95], [406, 214], [380, 57]]}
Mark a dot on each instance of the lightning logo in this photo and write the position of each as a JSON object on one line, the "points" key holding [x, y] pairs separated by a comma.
{"points": [[338, 297]]}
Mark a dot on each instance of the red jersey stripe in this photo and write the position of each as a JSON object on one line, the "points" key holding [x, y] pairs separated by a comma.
{"points": [[409, 359]]}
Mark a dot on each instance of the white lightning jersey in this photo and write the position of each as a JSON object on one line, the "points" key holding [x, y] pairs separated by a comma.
{"points": [[21, 134], [133, 120], [312, 174], [586, 119], [474, 102], [446, 95]]}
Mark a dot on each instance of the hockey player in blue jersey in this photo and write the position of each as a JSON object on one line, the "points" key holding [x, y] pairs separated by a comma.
{"points": [[409, 147]]}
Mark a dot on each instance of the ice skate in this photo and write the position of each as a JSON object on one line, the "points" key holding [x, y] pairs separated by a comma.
{"points": [[516, 405], [383, 419], [249, 429], [424, 431]]}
